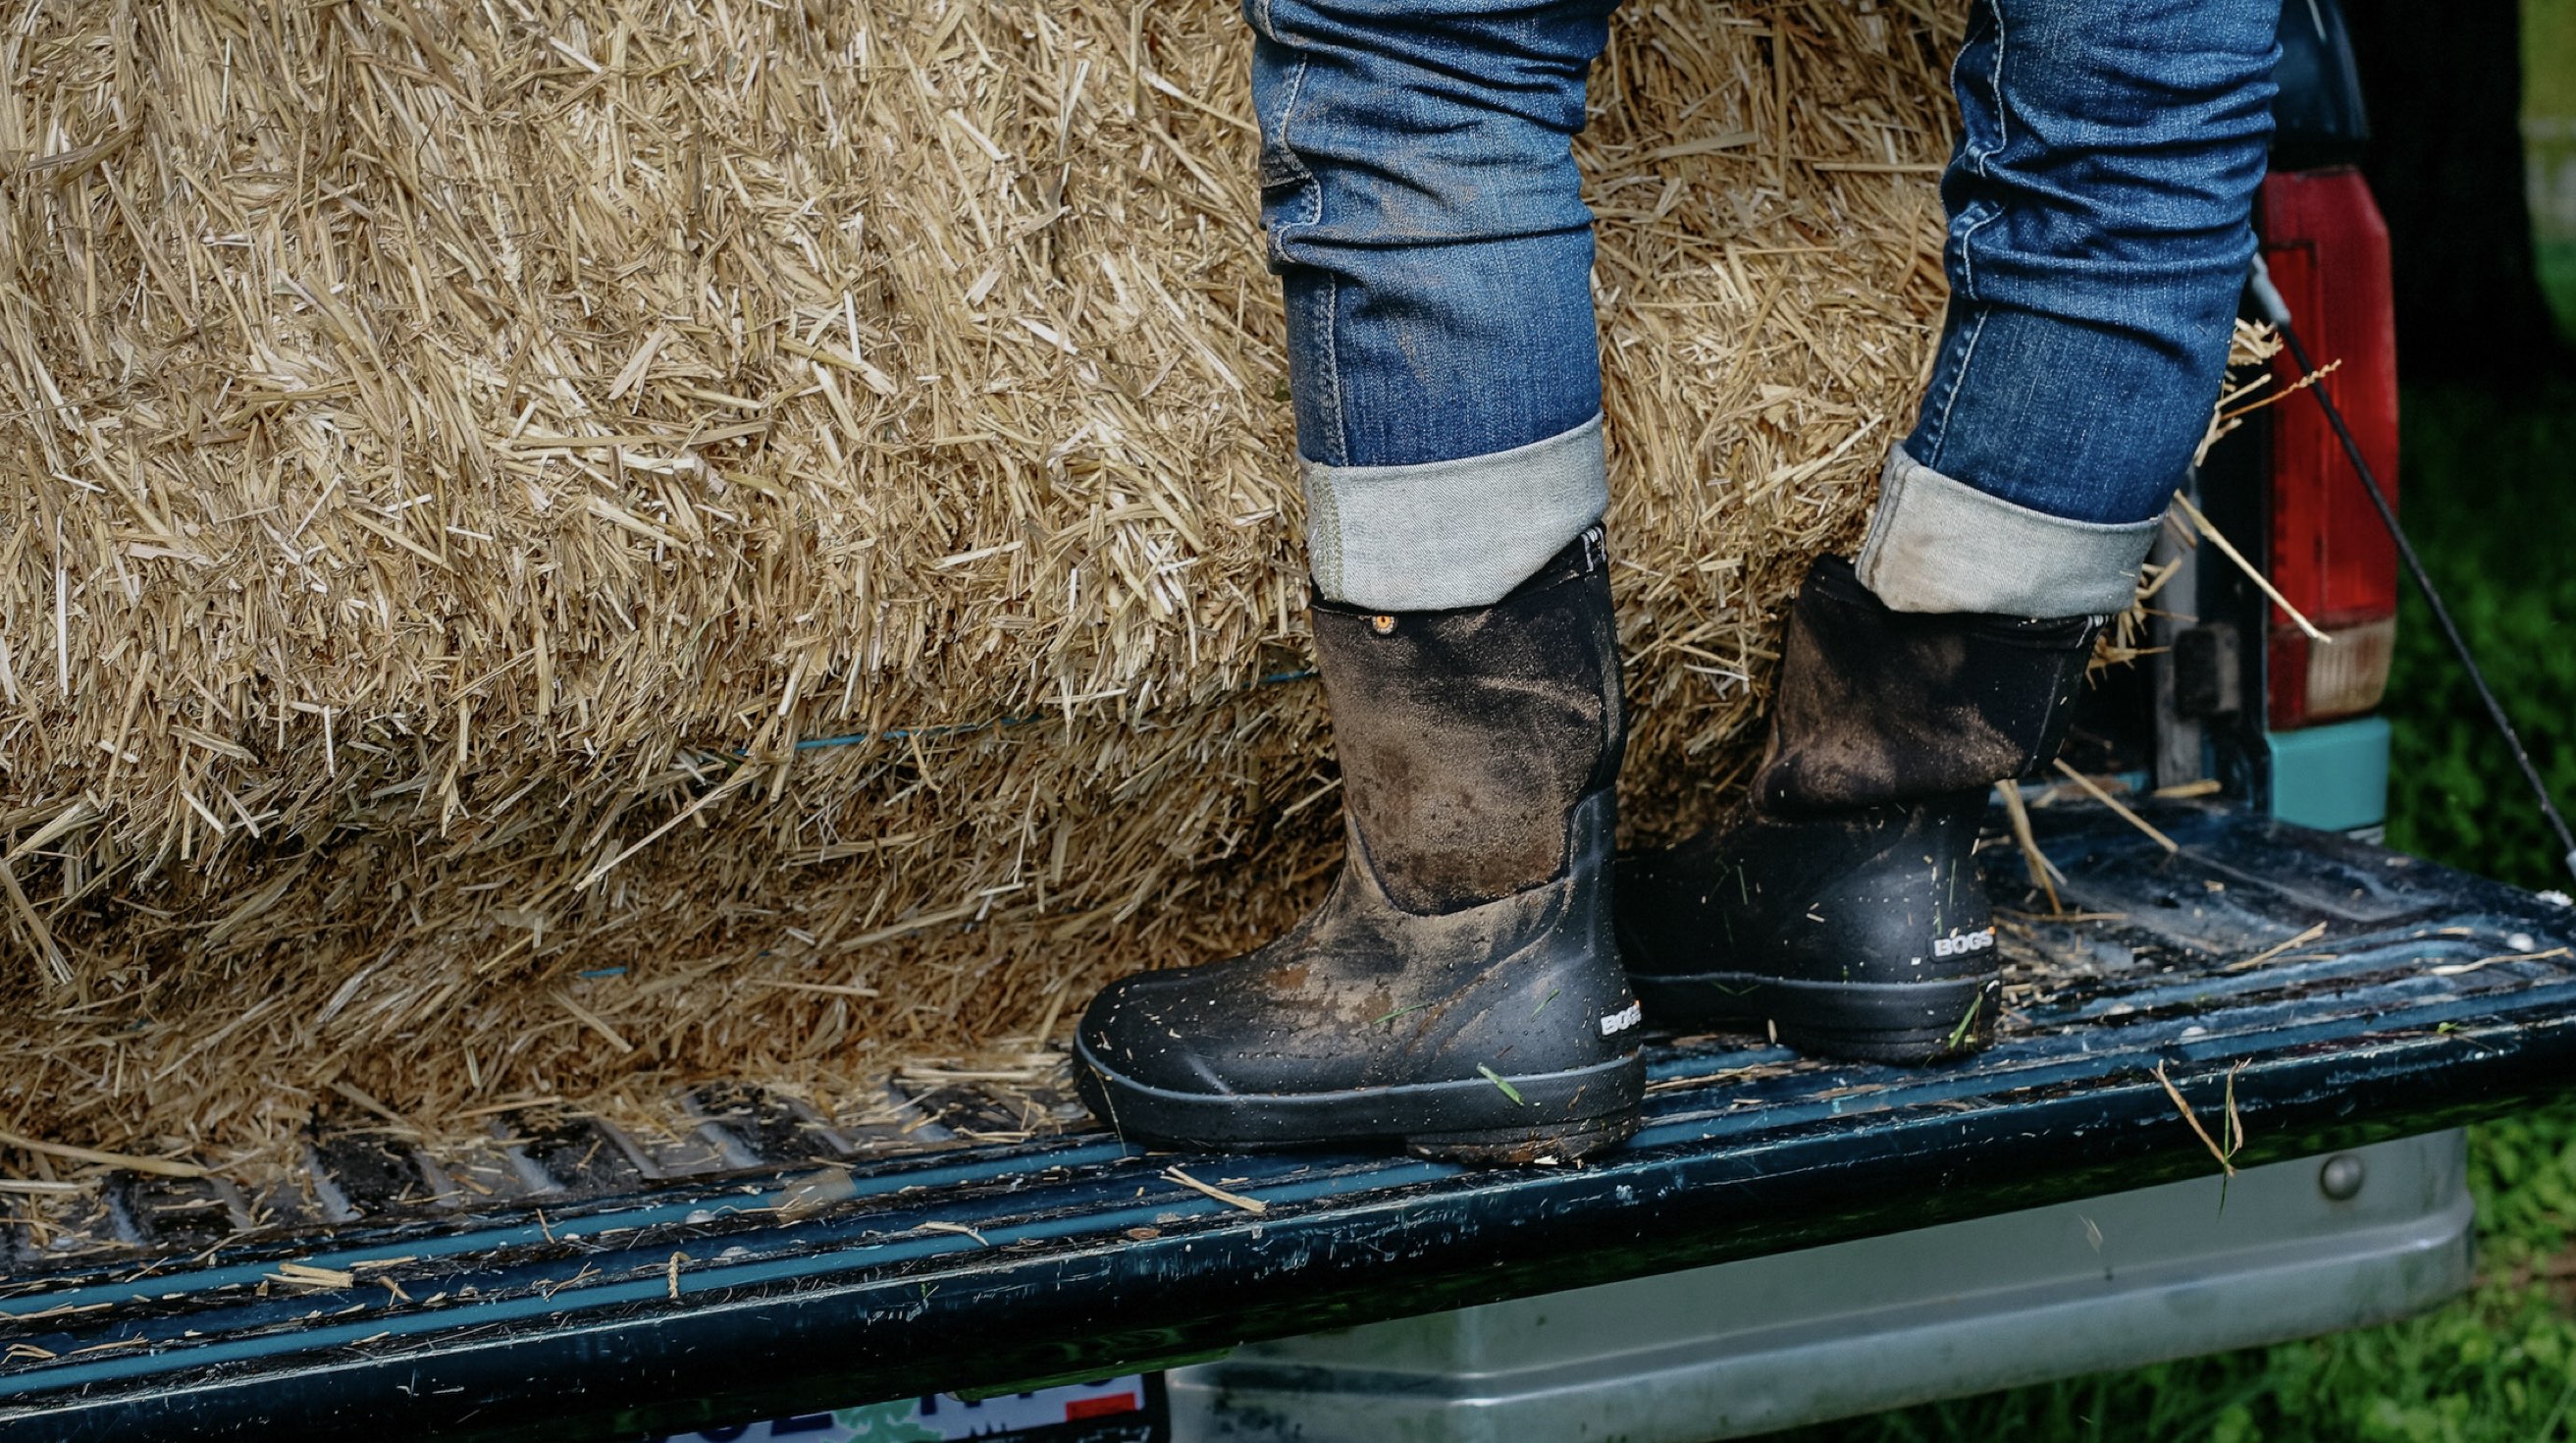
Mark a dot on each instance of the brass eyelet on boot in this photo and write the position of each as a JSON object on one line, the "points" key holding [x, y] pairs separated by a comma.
{"points": [[1382, 624]]}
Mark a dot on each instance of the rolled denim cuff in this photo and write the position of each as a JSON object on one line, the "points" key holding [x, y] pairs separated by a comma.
{"points": [[1939, 545], [1447, 534]]}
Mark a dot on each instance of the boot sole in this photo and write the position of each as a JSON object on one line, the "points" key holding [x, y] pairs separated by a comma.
{"points": [[1517, 1147], [1479, 1120], [1908, 1023]]}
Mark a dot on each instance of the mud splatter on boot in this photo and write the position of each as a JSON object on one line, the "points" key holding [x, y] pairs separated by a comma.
{"points": [[1459, 991], [1840, 904]]}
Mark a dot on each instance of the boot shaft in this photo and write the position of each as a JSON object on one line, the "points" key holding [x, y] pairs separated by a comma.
{"points": [[1880, 707], [1467, 737]]}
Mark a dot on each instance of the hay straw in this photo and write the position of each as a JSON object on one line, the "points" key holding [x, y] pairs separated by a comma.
{"points": [[458, 452], [2234, 1121], [2250, 348], [160, 1166], [2093, 789], [2043, 872], [1230, 1199], [2253, 573], [2306, 936]]}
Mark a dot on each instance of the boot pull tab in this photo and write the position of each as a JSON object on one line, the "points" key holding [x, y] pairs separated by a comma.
{"points": [[1595, 553], [1383, 624]]}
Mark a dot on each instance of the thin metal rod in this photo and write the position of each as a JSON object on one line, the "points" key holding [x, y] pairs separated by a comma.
{"points": [[2280, 319]]}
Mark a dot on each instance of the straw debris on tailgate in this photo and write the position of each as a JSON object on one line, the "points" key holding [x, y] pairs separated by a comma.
{"points": [[565, 548]]}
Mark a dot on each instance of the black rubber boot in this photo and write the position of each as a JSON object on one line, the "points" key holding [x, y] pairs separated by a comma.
{"points": [[1459, 991], [1840, 905]]}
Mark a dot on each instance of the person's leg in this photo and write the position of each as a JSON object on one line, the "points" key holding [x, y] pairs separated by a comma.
{"points": [[2100, 203], [1460, 988], [1425, 218], [2100, 199]]}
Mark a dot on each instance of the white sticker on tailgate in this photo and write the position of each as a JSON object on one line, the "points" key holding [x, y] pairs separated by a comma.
{"points": [[1113, 1411]]}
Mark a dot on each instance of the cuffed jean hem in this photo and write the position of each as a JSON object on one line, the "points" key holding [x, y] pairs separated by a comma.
{"points": [[1447, 534], [1939, 545]]}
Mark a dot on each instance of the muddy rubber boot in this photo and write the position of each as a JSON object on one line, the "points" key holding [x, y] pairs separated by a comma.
{"points": [[1840, 905], [1459, 990]]}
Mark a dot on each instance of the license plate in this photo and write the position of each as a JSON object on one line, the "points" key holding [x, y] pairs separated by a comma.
{"points": [[1127, 1409]]}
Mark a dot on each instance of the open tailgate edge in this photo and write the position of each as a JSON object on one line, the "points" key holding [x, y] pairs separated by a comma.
{"points": [[2330, 993]]}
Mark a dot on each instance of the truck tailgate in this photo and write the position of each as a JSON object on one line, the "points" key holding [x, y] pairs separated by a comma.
{"points": [[2264, 992]]}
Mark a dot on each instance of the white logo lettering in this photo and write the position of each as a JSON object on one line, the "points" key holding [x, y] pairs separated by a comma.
{"points": [[1623, 1019], [1961, 946]]}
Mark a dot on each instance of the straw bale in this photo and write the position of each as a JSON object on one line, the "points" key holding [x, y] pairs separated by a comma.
{"points": [[466, 457]]}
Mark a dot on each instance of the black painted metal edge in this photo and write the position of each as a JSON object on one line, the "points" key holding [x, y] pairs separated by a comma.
{"points": [[1109, 1304]]}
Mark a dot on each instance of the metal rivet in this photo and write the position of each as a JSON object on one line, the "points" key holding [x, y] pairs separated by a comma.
{"points": [[1382, 625], [2341, 1177]]}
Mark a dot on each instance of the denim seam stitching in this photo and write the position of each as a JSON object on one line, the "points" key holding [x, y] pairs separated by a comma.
{"points": [[1333, 368], [2003, 117], [1340, 441], [1958, 380], [1968, 262], [1288, 115]]}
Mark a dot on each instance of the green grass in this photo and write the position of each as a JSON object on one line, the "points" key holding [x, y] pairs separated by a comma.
{"points": [[2487, 495], [2487, 498], [2549, 95], [2549, 57], [2558, 279]]}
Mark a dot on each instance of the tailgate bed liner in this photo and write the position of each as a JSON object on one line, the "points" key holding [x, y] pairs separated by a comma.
{"points": [[782, 1263]]}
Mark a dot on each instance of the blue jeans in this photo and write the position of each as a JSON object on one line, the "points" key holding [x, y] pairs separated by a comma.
{"points": [[1422, 209]]}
